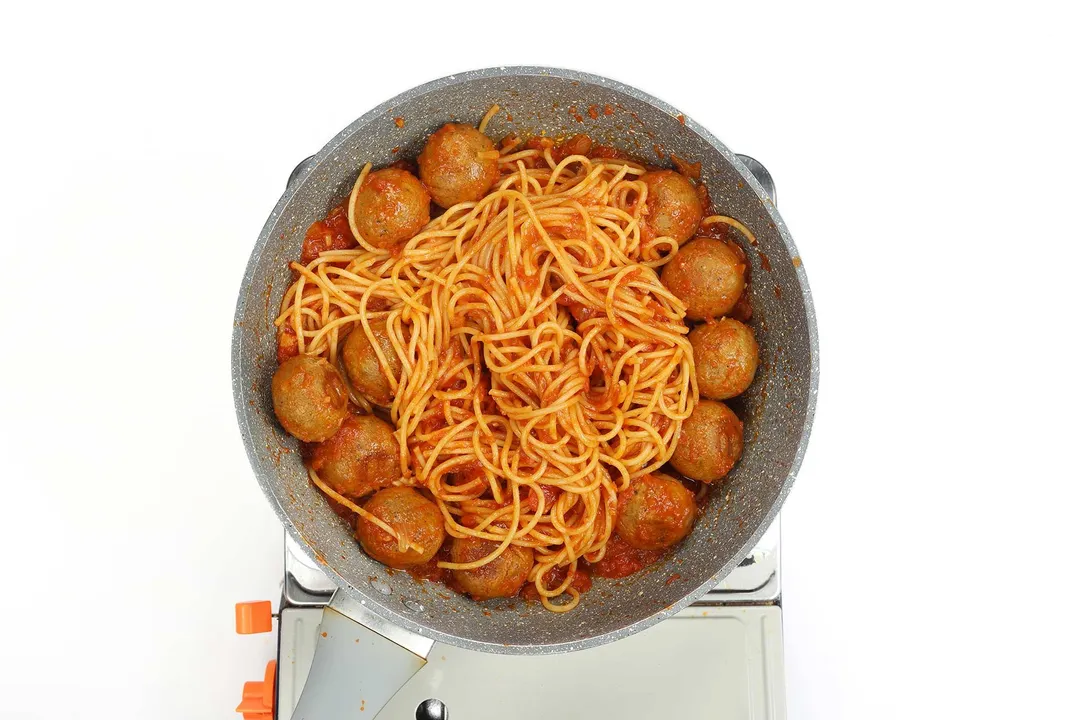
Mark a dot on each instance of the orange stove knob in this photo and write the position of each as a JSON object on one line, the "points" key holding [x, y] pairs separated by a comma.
{"points": [[257, 702], [254, 617], [251, 704]]}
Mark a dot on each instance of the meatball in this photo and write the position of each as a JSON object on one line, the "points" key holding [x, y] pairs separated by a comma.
{"points": [[360, 458], [674, 206], [707, 276], [362, 364], [390, 207], [655, 512], [726, 358], [709, 443], [452, 167], [310, 398], [502, 577], [413, 516]]}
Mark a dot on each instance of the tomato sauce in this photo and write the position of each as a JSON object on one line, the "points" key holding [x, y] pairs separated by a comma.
{"points": [[572, 228], [529, 281], [658, 316], [607, 152], [406, 164], [622, 560], [551, 494], [330, 233], [577, 145], [431, 424], [287, 345], [703, 196], [580, 311], [487, 403], [431, 570], [537, 143], [686, 168], [554, 577]]}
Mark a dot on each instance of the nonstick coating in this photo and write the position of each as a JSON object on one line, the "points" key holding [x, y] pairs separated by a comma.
{"points": [[777, 409]]}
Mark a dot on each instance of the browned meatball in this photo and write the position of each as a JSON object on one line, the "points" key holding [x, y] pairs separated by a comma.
{"points": [[709, 443], [655, 512], [310, 399], [362, 364], [502, 577], [413, 516], [452, 167], [674, 206], [725, 358], [707, 276], [360, 458], [391, 206]]}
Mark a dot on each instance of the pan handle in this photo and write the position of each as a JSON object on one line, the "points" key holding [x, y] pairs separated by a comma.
{"points": [[300, 167], [360, 662], [760, 173]]}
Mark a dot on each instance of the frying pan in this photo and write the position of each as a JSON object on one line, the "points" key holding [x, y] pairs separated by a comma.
{"points": [[777, 410]]}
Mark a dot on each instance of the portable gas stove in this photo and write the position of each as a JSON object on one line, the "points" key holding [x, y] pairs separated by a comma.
{"points": [[722, 657]]}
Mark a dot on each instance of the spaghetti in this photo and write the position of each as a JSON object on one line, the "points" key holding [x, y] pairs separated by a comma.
{"points": [[544, 365]]}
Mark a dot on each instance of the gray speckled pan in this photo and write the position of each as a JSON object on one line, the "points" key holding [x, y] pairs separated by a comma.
{"points": [[778, 408]]}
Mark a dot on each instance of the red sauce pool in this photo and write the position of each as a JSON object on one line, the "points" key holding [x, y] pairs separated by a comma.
{"points": [[622, 560]]}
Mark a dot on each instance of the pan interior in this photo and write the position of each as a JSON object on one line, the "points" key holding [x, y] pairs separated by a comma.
{"points": [[776, 409]]}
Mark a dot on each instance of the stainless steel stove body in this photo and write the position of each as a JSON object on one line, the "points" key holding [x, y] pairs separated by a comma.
{"points": [[720, 658]]}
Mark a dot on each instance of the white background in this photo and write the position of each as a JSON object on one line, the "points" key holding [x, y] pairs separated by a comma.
{"points": [[926, 159]]}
